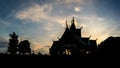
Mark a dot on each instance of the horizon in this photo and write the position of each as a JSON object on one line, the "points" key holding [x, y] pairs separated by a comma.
{"points": [[40, 21]]}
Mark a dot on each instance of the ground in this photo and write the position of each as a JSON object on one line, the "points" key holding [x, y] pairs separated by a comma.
{"points": [[55, 61]]}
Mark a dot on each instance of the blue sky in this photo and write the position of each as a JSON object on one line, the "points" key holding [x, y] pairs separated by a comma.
{"points": [[41, 21]]}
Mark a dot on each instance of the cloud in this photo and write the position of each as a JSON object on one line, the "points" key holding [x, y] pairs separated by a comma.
{"points": [[34, 13], [77, 9], [37, 13], [5, 23], [45, 50], [3, 39], [3, 50], [49, 27], [98, 27], [3, 44], [101, 19], [36, 46], [71, 1]]}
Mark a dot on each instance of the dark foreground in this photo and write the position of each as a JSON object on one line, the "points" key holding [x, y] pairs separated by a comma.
{"points": [[57, 61]]}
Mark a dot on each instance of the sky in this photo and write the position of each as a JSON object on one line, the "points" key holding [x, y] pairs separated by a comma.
{"points": [[43, 21]]}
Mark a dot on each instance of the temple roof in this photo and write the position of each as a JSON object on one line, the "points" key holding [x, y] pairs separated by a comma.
{"points": [[86, 40]]}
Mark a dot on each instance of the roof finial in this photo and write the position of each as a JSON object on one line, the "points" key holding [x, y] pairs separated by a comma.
{"points": [[73, 20], [81, 27], [96, 39], [73, 24], [89, 36], [66, 24]]}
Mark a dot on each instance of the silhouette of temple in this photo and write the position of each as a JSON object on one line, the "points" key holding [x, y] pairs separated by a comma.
{"points": [[72, 43]]}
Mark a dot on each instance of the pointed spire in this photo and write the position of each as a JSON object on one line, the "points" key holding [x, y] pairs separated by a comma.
{"points": [[72, 24], [73, 20], [66, 24]]}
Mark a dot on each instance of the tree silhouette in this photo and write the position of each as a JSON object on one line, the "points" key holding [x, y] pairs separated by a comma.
{"points": [[24, 47], [13, 43]]}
